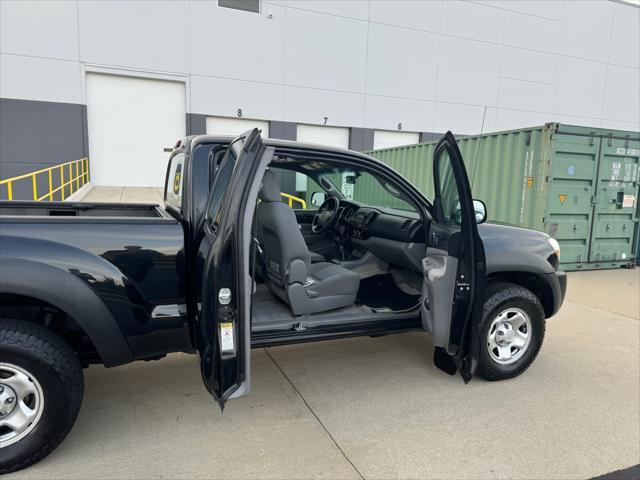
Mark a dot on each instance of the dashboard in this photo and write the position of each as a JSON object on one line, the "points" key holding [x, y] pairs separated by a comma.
{"points": [[395, 236]]}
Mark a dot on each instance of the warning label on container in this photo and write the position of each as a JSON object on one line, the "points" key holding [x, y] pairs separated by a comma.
{"points": [[226, 337], [628, 201], [529, 182], [563, 198]]}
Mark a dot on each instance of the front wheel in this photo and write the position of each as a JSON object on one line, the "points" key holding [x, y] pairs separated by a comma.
{"points": [[41, 388], [511, 333]]}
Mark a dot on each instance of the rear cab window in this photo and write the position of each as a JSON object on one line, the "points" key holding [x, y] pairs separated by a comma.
{"points": [[175, 181]]}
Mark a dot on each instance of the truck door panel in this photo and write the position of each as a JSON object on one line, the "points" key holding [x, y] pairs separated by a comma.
{"points": [[454, 266]]}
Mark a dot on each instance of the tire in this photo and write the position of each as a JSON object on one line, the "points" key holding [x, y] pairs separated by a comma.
{"points": [[54, 373], [505, 301]]}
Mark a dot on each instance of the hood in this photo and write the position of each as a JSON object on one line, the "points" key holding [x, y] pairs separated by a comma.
{"points": [[496, 237]]}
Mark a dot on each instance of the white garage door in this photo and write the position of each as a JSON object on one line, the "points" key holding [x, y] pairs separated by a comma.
{"points": [[332, 136], [235, 126], [388, 138], [131, 121]]}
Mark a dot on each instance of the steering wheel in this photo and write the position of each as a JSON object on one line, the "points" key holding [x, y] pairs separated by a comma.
{"points": [[325, 216]]}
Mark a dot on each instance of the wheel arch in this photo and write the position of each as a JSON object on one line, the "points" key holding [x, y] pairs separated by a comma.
{"points": [[530, 281], [67, 293]]}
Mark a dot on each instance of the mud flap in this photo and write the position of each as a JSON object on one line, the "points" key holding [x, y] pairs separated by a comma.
{"points": [[444, 361]]}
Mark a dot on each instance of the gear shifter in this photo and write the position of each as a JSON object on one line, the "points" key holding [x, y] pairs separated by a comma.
{"points": [[343, 253]]}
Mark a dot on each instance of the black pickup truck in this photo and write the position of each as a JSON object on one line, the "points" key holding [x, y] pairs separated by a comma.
{"points": [[226, 265]]}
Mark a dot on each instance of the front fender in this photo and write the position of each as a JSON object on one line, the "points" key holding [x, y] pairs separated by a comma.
{"points": [[74, 297], [504, 260]]}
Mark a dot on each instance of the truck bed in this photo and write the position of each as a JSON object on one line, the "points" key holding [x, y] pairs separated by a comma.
{"points": [[70, 209]]}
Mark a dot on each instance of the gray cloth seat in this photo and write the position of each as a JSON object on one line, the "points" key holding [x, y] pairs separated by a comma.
{"points": [[306, 287], [316, 257]]}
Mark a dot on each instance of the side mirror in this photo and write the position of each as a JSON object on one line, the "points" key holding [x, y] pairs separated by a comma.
{"points": [[481, 211], [317, 198]]}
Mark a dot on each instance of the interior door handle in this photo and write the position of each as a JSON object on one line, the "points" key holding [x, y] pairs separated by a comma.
{"points": [[435, 239]]}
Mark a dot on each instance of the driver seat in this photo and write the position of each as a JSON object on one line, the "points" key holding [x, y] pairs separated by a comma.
{"points": [[289, 273]]}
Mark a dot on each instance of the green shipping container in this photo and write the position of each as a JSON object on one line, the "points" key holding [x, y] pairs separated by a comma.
{"points": [[578, 184]]}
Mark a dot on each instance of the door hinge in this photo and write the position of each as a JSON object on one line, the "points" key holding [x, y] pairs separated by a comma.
{"points": [[226, 314]]}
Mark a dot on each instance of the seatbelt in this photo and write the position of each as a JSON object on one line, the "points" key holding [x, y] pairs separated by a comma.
{"points": [[257, 250]]}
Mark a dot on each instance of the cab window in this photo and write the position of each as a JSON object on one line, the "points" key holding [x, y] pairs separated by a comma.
{"points": [[221, 180], [449, 206], [294, 187], [175, 181]]}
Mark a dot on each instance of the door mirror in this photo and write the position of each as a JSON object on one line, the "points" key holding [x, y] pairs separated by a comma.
{"points": [[317, 198], [481, 211]]}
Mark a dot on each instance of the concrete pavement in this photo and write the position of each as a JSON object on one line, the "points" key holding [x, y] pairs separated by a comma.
{"points": [[378, 408], [125, 195]]}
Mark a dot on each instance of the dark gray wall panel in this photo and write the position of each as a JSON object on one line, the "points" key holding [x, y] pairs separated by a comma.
{"points": [[360, 139], [283, 130], [35, 135], [196, 124]]}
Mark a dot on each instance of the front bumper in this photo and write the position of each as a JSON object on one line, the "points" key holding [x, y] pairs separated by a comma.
{"points": [[557, 282]]}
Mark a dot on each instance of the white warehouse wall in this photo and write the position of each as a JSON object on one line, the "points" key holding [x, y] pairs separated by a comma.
{"points": [[427, 65]]}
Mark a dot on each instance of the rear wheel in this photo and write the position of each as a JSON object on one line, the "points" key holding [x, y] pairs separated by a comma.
{"points": [[511, 333], [41, 388]]}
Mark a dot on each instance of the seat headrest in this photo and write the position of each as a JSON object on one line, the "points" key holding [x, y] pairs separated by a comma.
{"points": [[270, 188]]}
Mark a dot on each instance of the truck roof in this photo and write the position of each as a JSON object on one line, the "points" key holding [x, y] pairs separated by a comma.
{"points": [[277, 143]]}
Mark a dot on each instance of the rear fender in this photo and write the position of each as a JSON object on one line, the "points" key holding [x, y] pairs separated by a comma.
{"points": [[74, 297]]}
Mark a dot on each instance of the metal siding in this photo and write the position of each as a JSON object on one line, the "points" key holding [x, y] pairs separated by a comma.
{"points": [[60, 130], [196, 124], [521, 175]]}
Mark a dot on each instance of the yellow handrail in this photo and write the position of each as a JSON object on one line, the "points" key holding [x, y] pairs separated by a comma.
{"points": [[80, 179], [292, 199]]}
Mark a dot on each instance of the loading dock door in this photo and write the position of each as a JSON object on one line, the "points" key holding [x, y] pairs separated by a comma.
{"points": [[388, 139], [130, 122], [331, 136], [235, 126], [320, 135]]}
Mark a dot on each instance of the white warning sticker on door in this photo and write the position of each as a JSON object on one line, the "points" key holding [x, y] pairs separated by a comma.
{"points": [[628, 201], [226, 337]]}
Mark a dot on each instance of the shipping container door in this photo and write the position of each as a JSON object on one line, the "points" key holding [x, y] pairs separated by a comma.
{"points": [[615, 215], [571, 187]]}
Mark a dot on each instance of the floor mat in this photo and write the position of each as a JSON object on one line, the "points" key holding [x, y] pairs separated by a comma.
{"points": [[381, 291]]}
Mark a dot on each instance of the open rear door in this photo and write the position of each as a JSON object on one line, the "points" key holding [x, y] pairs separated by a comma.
{"points": [[454, 266], [223, 328]]}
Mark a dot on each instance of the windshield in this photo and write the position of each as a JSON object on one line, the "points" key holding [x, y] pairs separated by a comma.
{"points": [[363, 187]]}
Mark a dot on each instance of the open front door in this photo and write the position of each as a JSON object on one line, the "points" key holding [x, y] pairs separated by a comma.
{"points": [[223, 328], [454, 266]]}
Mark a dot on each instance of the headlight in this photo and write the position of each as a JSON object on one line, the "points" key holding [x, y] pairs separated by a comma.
{"points": [[555, 245]]}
